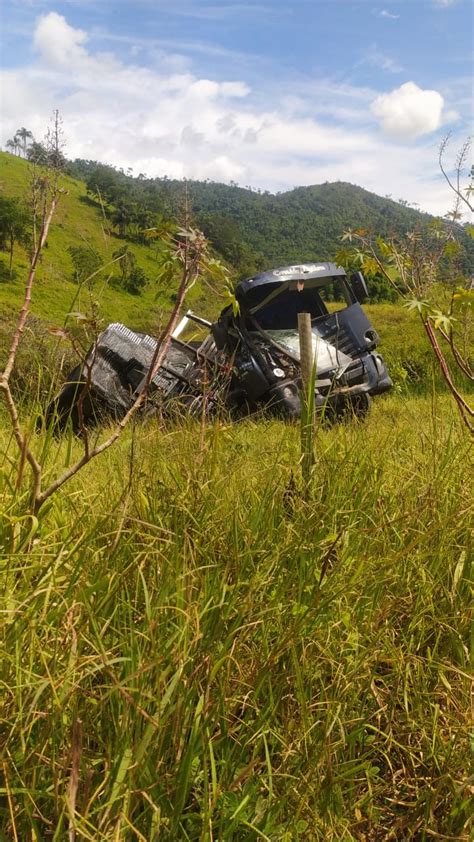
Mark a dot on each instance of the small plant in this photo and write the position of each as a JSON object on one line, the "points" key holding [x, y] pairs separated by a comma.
{"points": [[86, 261], [15, 227], [132, 277], [412, 265], [307, 430], [423, 268]]}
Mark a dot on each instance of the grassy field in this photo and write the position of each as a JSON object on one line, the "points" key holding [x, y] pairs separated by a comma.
{"points": [[195, 650], [195, 647]]}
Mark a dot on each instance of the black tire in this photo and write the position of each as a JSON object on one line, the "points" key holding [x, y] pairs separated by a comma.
{"points": [[360, 405]]}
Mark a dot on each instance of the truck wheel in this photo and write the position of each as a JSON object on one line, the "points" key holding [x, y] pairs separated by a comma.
{"points": [[360, 405], [348, 408]]}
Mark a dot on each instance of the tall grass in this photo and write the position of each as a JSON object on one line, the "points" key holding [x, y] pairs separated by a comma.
{"points": [[194, 650]]}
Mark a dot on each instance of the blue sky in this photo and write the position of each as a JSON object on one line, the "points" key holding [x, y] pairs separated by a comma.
{"points": [[269, 94]]}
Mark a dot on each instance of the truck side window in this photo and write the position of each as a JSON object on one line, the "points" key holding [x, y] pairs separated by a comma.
{"points": [[334, 295]]}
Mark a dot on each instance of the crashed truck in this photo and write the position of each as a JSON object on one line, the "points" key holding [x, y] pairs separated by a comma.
{"points": [[248, 360]]}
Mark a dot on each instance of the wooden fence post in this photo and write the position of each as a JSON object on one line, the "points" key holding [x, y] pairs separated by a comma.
{"points": [[307, 398], [306, 349]]}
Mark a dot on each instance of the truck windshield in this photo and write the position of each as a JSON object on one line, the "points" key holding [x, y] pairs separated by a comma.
{"points": [[282, 312]]}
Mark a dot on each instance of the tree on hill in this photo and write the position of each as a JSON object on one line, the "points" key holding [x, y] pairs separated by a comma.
{"points": [[105, 183], [14, 226], [13, 144], [226, 237], [24, 136], [251, 229], [86, 261], [55, 159], [37, 153], [123, 216], [132, 277], [146, 225]]}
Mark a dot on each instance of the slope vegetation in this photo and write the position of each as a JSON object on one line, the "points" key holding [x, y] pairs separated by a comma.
{"points": [[305, 223], [78, 222]]}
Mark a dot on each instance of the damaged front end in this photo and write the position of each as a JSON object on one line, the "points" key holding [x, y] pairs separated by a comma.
{"points": [[264, 341]]}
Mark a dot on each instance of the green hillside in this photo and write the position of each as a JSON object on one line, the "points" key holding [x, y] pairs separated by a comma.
{"points": [[78, 222]]}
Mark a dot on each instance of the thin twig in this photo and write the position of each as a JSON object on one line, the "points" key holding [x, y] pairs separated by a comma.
{"points": [[459, 165], [156, 361], [29, 285], [76, 752], [20, 438], [463, 406], [462, 363]]}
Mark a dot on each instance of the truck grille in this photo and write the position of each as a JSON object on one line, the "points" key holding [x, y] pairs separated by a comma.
{"points": [[337, 335]]}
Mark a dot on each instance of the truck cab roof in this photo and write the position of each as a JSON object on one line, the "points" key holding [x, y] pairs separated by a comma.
{"points": [[309, 274]]}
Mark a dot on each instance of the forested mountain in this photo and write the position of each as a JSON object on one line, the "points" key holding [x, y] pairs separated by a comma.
{"points": [[302, 224], [251, 228]]}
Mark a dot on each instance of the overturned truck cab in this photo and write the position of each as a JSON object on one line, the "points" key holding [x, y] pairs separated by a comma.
{"points": [[249, 359], [264, 339]]}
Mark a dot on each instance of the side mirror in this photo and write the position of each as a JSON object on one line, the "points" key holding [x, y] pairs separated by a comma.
{"points": [[219, 333], [359, 287]]}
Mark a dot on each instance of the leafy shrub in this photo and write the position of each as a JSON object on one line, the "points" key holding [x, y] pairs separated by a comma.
{"points": [[86, 261], [132, 277]]}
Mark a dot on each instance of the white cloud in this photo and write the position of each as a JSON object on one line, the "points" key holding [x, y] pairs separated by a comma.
{"points": [[169, 121], [386, 14], [58, 42], [376, 58], [409, 111]]}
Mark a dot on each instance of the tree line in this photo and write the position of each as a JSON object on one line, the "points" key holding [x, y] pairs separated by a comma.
{"points": [[24, 145]]}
